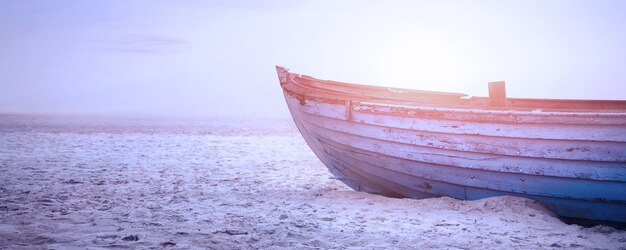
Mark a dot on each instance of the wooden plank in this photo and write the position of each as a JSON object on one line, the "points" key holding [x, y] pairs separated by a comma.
{"points": [[551, 149], [492, 116], [609, 133], [585, 132], [586, 170], [517, 183]]}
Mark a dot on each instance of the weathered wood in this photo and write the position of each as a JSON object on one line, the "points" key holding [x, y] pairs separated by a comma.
{"points": [[497, 93], [413, 144], [588, 170], [509, 182], [536, 148], [376, 114]]}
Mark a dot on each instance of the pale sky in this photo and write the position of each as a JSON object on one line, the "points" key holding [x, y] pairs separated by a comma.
{"points": [[217, 58]]}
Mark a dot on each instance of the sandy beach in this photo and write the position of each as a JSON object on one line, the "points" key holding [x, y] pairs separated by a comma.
{"points": [[108, 183]]}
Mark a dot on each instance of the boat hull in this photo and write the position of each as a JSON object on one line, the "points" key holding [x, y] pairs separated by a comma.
{"points": [[574, 165]]}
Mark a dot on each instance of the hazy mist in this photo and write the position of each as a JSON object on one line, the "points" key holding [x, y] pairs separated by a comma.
{"points": [[217, 58]]}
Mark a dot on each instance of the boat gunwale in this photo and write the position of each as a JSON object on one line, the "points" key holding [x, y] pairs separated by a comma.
{"points": [[462, 101], [482, 116], [529, 116]]}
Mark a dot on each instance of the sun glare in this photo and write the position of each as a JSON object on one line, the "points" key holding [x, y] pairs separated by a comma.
{"points": [[428, 61]]}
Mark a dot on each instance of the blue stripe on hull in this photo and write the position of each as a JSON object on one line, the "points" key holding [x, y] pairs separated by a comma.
{"points": [[357, 181], [587, 209], [510, 182]]}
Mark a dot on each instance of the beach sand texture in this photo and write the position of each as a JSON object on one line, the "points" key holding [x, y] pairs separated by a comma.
{"points": [[90, 183]]}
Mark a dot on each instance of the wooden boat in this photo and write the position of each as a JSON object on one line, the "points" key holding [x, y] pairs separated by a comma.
{"points": [[568, 154]]}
